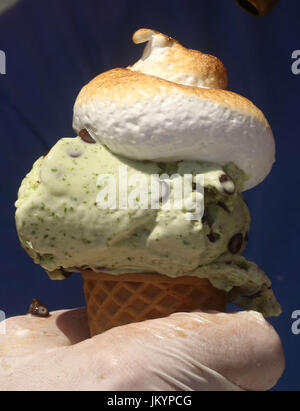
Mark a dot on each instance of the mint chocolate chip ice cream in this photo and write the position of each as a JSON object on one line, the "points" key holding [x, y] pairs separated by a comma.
{"points": [[63, 228]]}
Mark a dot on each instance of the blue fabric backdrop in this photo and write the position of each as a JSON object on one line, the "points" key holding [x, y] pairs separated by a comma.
{"points": [[54, 47]]}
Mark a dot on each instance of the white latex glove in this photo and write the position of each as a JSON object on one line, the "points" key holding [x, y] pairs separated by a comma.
{"points": [[186, 351]]}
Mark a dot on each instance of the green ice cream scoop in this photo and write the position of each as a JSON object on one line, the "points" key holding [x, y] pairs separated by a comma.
{"points": [[70, 217]]}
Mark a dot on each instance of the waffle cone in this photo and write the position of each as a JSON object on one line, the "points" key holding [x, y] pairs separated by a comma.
{"points": [[114, 300]]}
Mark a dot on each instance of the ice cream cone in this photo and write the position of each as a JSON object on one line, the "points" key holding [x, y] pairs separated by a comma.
{"points": [[114, 300]]}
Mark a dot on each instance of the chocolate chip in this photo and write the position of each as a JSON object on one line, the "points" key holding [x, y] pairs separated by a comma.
{"points": [[65, 273], [224, 178], [38, 309], [162, 166], [164, 192], [213, 237], [235, 243], [46, 153], [224, 206], [228, 184], [207, 218], [85, 136], [74, 154]]}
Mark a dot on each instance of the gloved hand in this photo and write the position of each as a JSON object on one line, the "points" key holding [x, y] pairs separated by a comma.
{"points": [[186, 351]]}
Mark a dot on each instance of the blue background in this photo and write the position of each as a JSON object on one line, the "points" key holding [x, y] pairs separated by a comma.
{"points": [[55, 47]]}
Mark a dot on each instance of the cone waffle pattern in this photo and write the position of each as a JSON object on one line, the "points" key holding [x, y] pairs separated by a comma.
{"points": [[114, 300]]}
